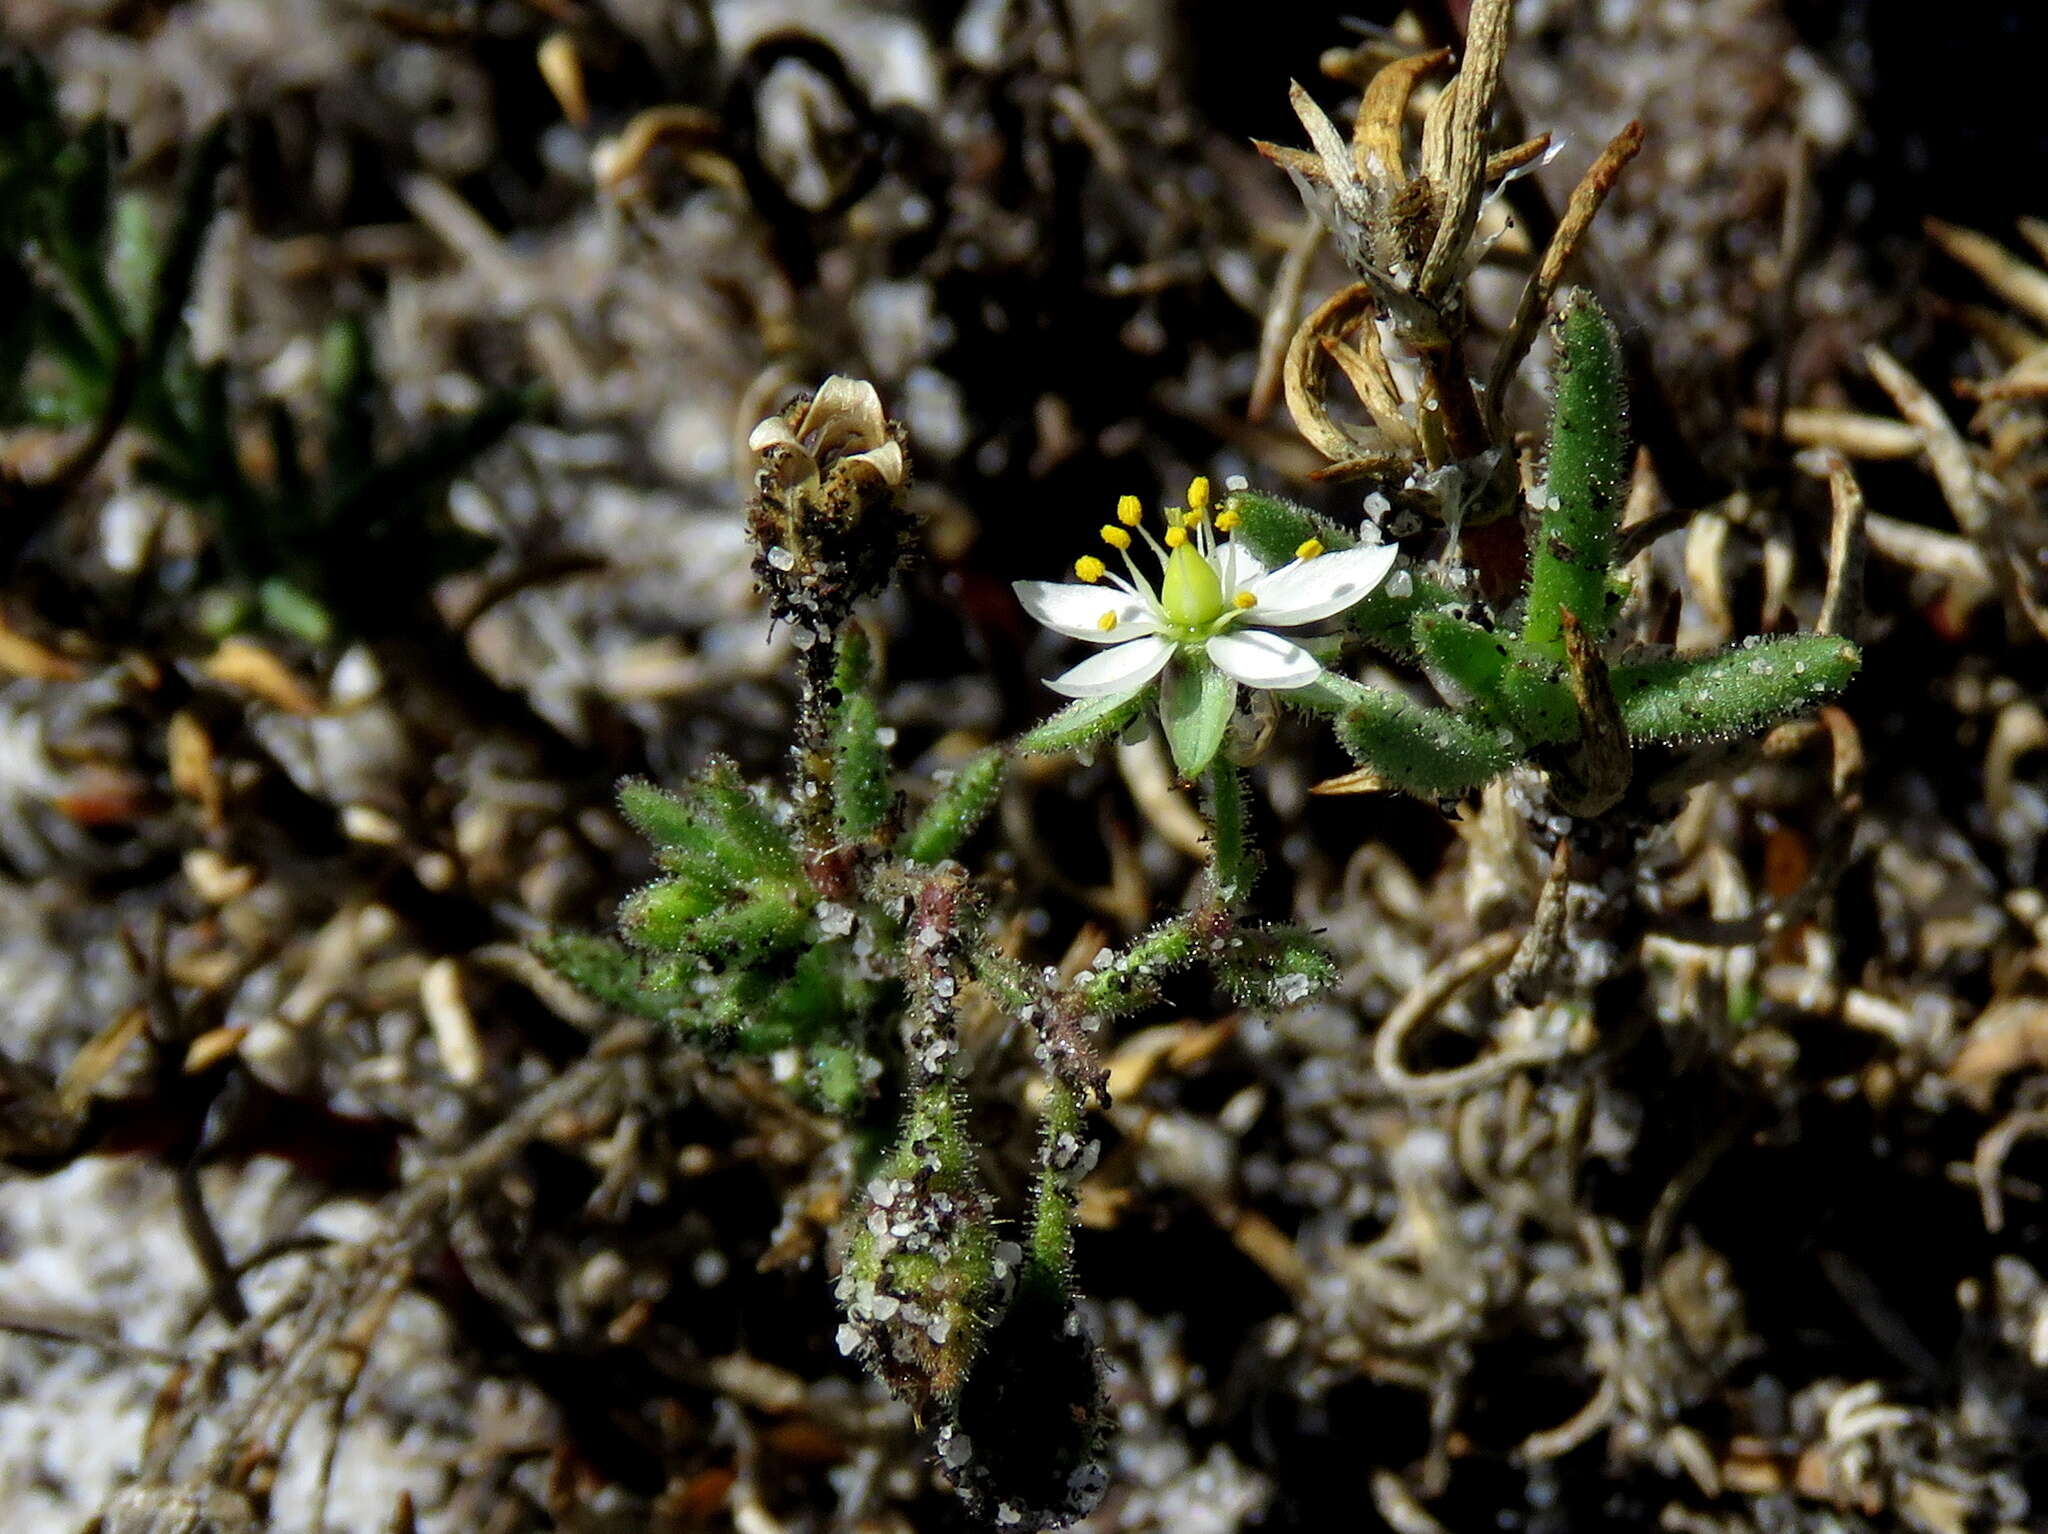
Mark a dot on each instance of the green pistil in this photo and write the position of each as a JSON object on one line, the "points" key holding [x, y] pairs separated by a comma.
{"points": [[1191, 593]]}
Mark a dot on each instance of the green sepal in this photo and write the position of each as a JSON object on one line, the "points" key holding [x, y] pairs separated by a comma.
{"points": [[1429, 752], [1273, 527], [1195, 705], [1737, 691], [1085, 723], [1588, 478], [960, 806]]}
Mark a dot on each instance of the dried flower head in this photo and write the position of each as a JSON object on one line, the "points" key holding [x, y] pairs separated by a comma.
{"points": [[821, 438], [828, 513], [1408, 232]]}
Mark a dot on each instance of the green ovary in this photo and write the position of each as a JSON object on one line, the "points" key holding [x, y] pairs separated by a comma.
{"points": [[1191, 594]]}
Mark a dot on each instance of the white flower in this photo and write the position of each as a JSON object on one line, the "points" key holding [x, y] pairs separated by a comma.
{"points": [[1215, 601]]}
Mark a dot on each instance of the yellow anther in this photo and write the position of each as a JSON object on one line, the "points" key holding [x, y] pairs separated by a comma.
{"points": [[1106, 622], [1116, 537], [1310, 549], [1226, 521], [1244, 601], [1090, 569], [1176, 536], [1198, 494], [1128, 511]]}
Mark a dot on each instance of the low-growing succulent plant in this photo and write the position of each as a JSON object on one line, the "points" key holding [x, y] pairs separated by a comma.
{"points": [[820, 926], [823, 928]]}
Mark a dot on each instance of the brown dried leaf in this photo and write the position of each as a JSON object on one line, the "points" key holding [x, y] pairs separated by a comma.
{"points": [[31, 658], [1570, 234], [2023, 286], [248, 667], [1376, 141]]}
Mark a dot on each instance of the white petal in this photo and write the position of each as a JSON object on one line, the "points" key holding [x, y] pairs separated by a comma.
{"points": [[1308, 589], [1076, 610], [1238, 566], [1259, 659], [1122, 669]]}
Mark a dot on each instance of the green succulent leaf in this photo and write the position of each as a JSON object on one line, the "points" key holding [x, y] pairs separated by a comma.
{"points": [[1429, 752], [1737, 691], [1233, 863], [1469, 660], [749, 932], [1130, 980], [1085, 723], [1028, 1431], [1588, 478], [609, 972], [1277, 967], [658, 918], [961, 806], [1537, 692], [863, 801]]}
